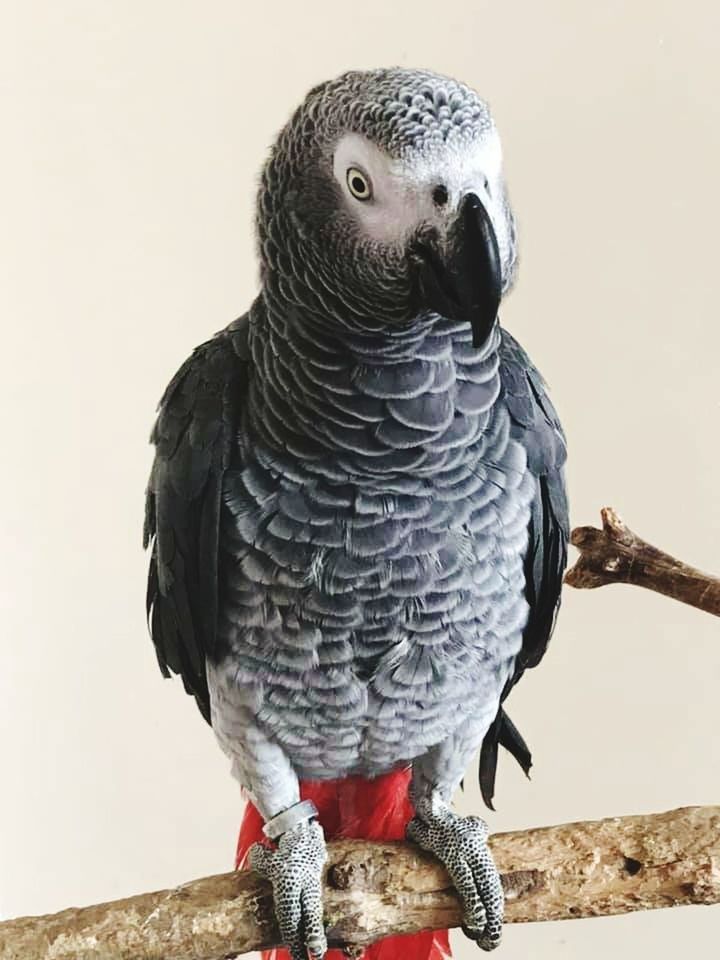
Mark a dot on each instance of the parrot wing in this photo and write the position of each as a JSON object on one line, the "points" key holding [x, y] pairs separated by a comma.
{"points": [[193, 437], [534, 424]]}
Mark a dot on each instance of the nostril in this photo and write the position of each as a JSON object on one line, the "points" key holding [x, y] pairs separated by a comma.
{"points": [[440, 195]]}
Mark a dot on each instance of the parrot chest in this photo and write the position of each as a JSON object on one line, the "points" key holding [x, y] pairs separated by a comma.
{"points": [[372, 584], [363, 633]]}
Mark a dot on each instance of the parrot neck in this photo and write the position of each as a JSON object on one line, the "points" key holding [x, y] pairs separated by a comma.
{"points": [[376, 404]]}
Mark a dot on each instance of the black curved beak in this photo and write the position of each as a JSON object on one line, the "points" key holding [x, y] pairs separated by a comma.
{"points": [[467, 285]]}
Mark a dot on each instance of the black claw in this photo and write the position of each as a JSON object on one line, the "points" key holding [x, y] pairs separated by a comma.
{"points": [[488, 944]]}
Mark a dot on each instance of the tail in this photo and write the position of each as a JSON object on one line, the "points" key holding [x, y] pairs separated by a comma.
{"points": [[358, 809]]}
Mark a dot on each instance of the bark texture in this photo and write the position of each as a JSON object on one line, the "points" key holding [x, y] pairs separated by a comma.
{"points": [[617, 555], [375, 889]]}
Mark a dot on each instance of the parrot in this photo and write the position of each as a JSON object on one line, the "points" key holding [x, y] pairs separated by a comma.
{"points": [[356, 516]]}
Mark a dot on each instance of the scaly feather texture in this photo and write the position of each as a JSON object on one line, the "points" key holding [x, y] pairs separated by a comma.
{"points": [[358, 520], [357, 509]]}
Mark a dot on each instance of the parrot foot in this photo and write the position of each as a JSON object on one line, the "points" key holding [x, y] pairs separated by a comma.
{"points": [[460, 843], [295, 871]]}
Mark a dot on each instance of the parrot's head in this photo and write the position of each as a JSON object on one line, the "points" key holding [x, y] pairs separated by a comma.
{"points": [[383, 202]]}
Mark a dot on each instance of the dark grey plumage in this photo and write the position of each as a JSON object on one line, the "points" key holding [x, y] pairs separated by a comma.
{"points": [[357, 509], [193, 437], [536, 425], [200, 413]]}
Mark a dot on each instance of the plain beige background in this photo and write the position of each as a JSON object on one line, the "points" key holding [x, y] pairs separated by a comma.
{"points": [[132, 134]]}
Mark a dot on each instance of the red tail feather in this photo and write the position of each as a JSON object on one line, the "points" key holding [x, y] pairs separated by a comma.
{"points": [[358, 809]]}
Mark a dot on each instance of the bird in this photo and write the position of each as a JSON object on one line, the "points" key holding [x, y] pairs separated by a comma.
{"points": [[357, 517]]}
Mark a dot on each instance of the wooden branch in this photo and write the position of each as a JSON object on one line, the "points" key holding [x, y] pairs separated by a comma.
{"points": [[617, 555], [375, 889]]}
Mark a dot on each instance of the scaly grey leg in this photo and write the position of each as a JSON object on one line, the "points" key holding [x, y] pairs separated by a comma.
{"points": [[460, 843]]}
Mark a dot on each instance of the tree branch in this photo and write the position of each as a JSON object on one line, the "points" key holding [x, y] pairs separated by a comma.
{"points": [[617, 555], [375, 889]]}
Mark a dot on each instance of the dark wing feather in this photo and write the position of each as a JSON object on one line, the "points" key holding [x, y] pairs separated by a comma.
{"points": [[193, 437], [536, 426]]}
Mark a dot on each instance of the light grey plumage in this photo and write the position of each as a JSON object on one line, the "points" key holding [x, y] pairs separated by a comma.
{"points": [[359, 516]]}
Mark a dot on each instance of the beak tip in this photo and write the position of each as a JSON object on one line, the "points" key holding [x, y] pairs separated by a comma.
{"points": [[481, 325]]}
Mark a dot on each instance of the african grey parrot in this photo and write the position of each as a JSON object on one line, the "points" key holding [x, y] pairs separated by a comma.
{"points": [[357, 509]]}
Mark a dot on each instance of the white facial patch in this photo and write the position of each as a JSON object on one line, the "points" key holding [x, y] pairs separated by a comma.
{"points": [[401, 198]]}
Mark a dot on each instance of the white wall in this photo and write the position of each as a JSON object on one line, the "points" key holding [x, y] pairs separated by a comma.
{"points": [[132, 135]]}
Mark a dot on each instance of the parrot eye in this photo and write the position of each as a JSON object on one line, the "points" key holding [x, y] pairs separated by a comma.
{"points": [[359, 184]]}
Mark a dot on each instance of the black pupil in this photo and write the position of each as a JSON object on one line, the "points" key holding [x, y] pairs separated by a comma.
{"points": [[358, 184], [440, 195]]}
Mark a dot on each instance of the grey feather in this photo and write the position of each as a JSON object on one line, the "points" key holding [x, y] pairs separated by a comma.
{"points": [[358, 519]]}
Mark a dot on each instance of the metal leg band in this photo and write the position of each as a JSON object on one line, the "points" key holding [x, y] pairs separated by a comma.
{"points": [[297, 813]]}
